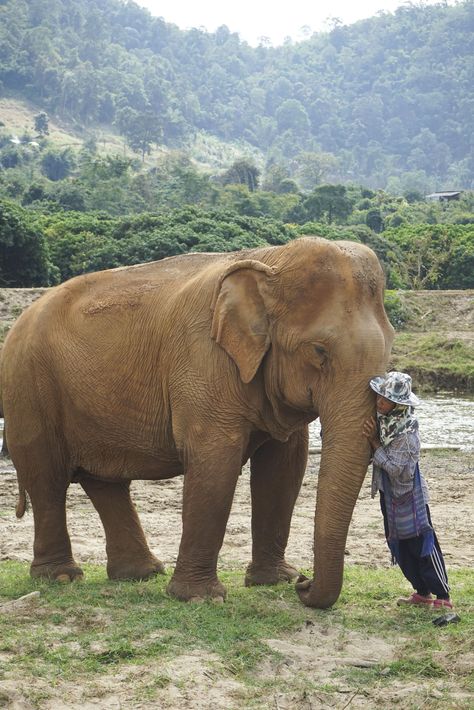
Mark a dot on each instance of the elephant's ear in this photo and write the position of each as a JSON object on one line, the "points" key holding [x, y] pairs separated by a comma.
{"points": [[240, 321]]}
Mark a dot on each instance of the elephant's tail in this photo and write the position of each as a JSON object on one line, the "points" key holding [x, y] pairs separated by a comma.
{"points": [[4, 450], [22, 502]]}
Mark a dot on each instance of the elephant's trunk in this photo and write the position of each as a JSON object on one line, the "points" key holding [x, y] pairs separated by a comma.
{"points": [[344, 460]]}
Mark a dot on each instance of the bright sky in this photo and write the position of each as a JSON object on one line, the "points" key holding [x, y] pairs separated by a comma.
{"points": [[274, 19]]}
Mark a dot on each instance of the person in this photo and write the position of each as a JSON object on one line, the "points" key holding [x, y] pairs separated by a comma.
{"points": [[395, 443]]}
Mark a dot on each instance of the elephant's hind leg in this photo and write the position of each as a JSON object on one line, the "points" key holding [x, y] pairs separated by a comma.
{"points": [[52, 547], [41, 472], [277, 470], [128, 555]]}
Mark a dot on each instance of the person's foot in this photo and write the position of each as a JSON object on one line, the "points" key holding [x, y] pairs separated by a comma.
{"points": [[417, 600], [442, 604]]}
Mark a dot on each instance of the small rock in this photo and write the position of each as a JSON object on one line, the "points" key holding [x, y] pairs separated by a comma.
{"points": [[28, 600]]}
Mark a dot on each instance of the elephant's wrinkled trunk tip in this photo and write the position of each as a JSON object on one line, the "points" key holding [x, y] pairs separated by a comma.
{"points": [[318, 598]]}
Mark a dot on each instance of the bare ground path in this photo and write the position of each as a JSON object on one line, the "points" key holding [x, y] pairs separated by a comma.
{"points": [[451, 481]]}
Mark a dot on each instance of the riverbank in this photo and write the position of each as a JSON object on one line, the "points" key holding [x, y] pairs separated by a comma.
{"points": [[434, 339]]}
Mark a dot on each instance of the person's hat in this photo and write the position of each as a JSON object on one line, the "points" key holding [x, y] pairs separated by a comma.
{"points": [[395, 386]]}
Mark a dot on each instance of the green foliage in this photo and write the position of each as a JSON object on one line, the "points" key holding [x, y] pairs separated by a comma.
{"points": [[242, 172], [57, 164], [387, 100], [436, 361], [396, 309], [327, 203], [435, 256], [80, 243], [41, 124], [432, 245], [23, 253]]}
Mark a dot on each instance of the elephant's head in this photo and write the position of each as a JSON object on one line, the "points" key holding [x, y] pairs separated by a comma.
{"points": [[308, 320]]}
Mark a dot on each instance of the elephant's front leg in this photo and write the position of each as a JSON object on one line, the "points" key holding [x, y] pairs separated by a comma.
{"points": [[277, 471], [209, 485]]}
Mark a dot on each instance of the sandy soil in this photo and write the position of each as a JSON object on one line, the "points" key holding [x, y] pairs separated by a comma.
{"points": [[159, 506], [205, 681]]}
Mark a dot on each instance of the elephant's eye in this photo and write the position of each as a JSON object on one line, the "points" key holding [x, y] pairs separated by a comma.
{"points": [[320, 350]]}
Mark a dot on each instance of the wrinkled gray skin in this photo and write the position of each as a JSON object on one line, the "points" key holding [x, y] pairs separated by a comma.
{"points": [[193, 365]]}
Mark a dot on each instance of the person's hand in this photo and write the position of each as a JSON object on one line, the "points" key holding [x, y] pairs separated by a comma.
{"points": [[370, 431]]}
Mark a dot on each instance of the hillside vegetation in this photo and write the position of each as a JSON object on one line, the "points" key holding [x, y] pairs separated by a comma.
{"points": [[387, 101], [125, 140]]}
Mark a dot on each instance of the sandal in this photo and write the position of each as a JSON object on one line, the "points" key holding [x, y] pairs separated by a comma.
{"points": [[417, 600], [442, 604]]}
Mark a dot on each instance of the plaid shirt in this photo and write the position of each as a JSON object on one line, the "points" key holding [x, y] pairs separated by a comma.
{"points": [[398, 460]]}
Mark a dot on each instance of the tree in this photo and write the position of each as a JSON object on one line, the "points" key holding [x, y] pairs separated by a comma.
{"points": [[242, 172], [435, 256], [311, 168], [291, 114], [41, 124], [141, 129], [328, 203], [57, 164], [23, 252], [374, 220]]}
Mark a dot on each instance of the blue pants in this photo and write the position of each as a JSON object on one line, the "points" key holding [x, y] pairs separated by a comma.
{"points": [[425, 574]]}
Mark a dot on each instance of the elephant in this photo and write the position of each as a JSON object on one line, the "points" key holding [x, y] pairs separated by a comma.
{"points": [[193, 365]]}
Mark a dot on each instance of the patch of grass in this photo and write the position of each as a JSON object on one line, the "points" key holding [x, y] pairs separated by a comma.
{"points": [[17, 310], [4, 328], [81, 631], [437, 359], [131, 622], [397, 309]]}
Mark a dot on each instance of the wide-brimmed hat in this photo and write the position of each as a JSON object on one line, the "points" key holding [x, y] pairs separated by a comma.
{"points": [[395, 386]]}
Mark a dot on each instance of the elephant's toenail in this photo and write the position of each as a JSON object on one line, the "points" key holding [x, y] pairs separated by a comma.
{"points": [[63, 578]]}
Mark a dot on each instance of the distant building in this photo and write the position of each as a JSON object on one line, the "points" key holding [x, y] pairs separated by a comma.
{"points": [[444, 196]]}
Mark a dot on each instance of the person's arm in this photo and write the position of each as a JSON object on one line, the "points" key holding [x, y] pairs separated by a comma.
{"points": [[399, 458]]}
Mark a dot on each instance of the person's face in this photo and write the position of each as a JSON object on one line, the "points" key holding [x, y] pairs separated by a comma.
{"points": [[384, 405]]}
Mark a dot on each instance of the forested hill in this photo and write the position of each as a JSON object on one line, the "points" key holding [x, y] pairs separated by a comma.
{"points": [[369, 102]]}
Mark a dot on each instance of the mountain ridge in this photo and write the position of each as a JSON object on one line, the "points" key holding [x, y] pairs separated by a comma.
{"points": [[376, 100]]}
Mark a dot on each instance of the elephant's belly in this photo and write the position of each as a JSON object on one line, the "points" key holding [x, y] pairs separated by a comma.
{"points": [[129, 465]]}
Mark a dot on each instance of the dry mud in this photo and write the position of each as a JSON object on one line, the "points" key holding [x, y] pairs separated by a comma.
{"points": [[199, 680]]}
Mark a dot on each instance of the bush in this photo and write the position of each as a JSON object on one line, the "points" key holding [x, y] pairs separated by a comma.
{"points": [[23, 253], [396, 309]]}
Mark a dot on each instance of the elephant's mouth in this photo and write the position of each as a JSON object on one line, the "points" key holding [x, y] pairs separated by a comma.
{"points": [[313, 406]]}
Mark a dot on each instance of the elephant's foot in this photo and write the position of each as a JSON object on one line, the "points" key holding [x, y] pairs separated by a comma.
{"points": [[135, 569], [58, 571], [187, 591], [259, 574]]}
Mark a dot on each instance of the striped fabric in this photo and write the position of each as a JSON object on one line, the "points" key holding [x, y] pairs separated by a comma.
{"points": [[407, 513], [407, 516], [398, 460]]}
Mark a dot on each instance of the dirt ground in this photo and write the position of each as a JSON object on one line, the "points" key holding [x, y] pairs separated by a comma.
{"points": [[450, 477], [204, 681]]}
